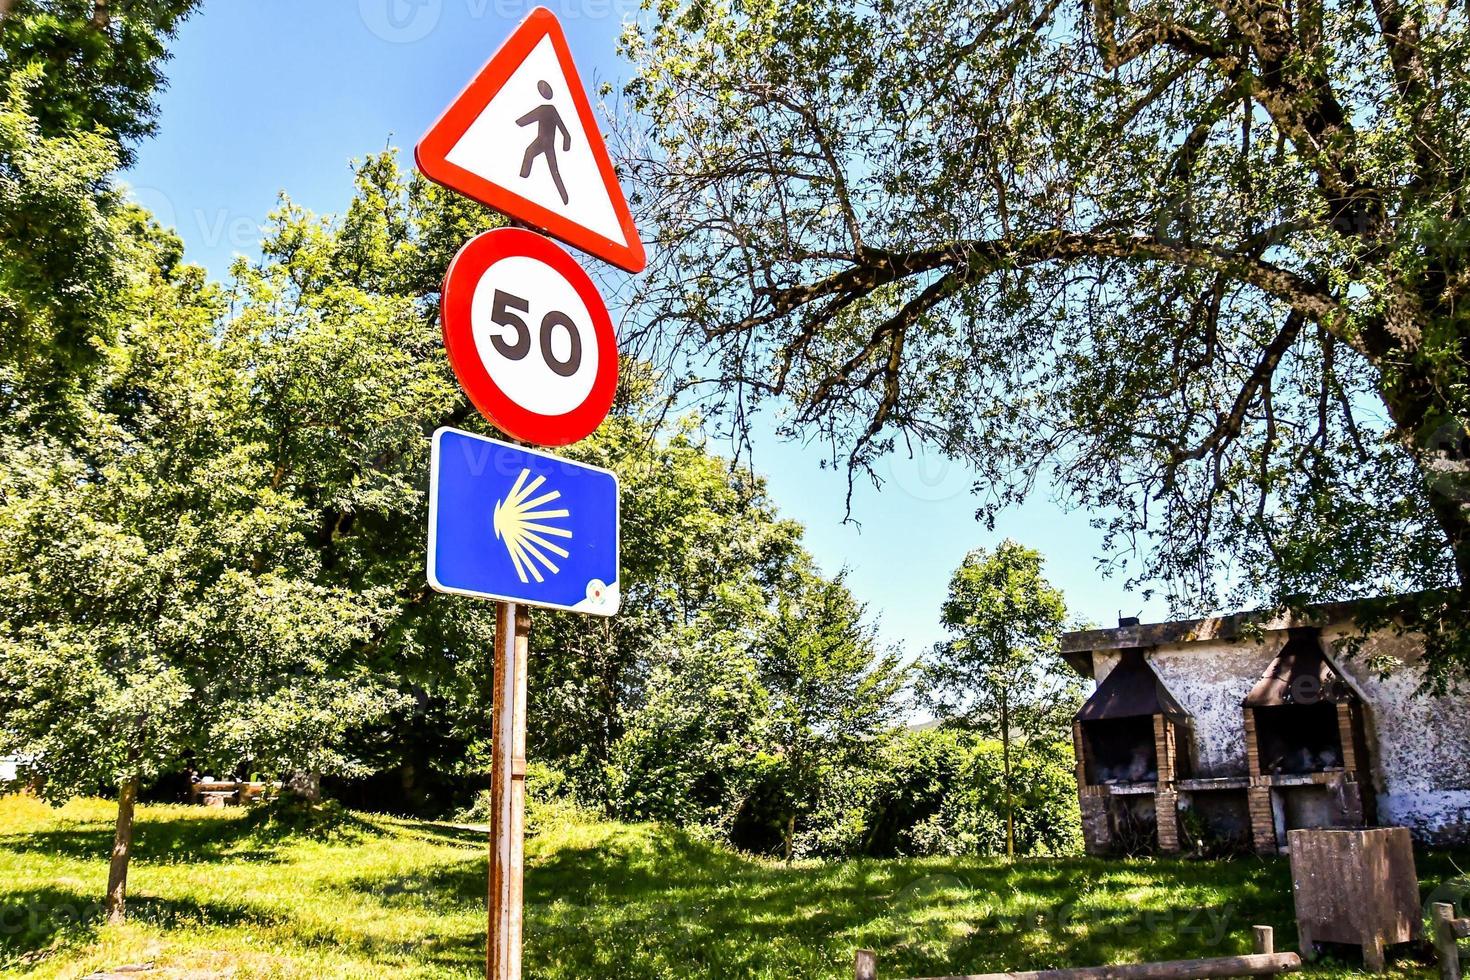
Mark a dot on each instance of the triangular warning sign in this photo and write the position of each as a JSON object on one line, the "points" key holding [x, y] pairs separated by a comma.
{"points": [[522, 139]]}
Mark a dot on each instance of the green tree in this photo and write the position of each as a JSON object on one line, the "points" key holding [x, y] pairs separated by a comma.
{"points": [[77, 79], [999, 672], [834, 693], [1201, 266], [337, 325], [943, 792], [692, 750], [100, 62], [763, 719], [702, 551], [162, 604]]}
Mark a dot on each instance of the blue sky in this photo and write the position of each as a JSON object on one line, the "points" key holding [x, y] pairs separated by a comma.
{"points": [[268, 96]]}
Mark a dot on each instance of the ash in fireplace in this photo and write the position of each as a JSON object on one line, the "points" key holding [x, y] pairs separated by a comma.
{"points": [[1304, 760], [1138, 768]]}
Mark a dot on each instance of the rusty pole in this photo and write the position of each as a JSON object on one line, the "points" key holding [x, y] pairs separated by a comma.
{"points": [[508, 792]]}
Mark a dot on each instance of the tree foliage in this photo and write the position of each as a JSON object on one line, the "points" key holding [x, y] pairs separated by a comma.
{"points": [[999, 671], [834, 692], [756, 714], [1200, 266], [77, 78], [1005, 623], [943, 791], [100, 62], [163, 603], [703, 552]]}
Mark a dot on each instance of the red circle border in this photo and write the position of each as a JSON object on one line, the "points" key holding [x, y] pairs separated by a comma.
{"points": [[455, 303]]}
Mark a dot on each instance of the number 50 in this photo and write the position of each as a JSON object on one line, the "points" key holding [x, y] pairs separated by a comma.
{"points": [[503, 312]]}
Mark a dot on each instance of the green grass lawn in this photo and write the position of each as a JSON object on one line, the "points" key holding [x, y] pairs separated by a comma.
{"points": [[214, 891]]}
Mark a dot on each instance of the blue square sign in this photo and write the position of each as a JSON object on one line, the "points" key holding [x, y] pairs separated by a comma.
{"points": [[521, 526]]}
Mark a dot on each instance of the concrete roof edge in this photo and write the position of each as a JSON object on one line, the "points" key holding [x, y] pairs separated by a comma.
{"points": [[1227, 627]]}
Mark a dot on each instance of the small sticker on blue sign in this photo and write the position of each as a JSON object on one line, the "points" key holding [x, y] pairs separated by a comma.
{"points": [[521, 526]]}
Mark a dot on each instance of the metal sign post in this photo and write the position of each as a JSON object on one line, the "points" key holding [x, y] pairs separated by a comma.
{"points": [[508, 792], [531, 342]]}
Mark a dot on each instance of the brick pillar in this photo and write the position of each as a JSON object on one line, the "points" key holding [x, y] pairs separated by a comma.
{"points": [[1166, 801], [1252, 749], [1164, 749], [1347, 734], [1263, 818], [1351, 729], [1166, 814], [1097, 830]]}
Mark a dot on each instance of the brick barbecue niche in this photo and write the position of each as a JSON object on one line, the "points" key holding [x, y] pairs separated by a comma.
{"points": [[1127, 738], [1304, 746]]}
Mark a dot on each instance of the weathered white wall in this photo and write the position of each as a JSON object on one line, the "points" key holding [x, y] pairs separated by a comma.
{"points": [[1103, 662], [1210, 680], [1420, 745]]}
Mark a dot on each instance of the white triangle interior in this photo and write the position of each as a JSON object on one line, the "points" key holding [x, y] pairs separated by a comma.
{"points": [[494, 147]]}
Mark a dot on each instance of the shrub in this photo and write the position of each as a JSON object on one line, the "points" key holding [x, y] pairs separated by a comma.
{"points": [[550, 801], [939, 792]]}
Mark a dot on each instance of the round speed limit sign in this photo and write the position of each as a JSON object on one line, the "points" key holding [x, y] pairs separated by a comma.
{"points": [[529, 337]]}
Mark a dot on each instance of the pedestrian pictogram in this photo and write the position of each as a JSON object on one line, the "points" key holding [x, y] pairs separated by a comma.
{"points": [[522, 138], [529, 337], [548, 124]]}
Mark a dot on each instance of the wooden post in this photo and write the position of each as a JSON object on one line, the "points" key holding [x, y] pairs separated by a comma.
{"points": [[1265, 942], [865, 966], [508, 792], [1445, 946], [1253, 965]]}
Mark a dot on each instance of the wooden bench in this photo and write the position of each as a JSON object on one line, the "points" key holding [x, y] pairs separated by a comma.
{"points": [[228, 792], [1448, 931], [1264, 962]]}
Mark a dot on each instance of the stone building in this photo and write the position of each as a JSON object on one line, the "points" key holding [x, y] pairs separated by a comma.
{"points": [[1239, 728]]}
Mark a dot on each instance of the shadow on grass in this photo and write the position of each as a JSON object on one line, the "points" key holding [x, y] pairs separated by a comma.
{"points": [[655, 902], [658, 902], [253, 834], [36, 920], [439, 833], [671, 907]]}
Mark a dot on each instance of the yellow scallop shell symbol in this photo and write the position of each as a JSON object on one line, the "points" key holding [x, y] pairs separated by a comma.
{"points": [[519, 524]]}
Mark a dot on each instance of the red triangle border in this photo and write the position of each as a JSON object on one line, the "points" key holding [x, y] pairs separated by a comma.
{"points": [[431, 153]]}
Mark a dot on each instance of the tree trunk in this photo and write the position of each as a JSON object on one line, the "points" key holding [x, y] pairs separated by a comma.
{"points": [[1442, 453], [307, 785], [790, 836], [1005, 761], [122, 850]]}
